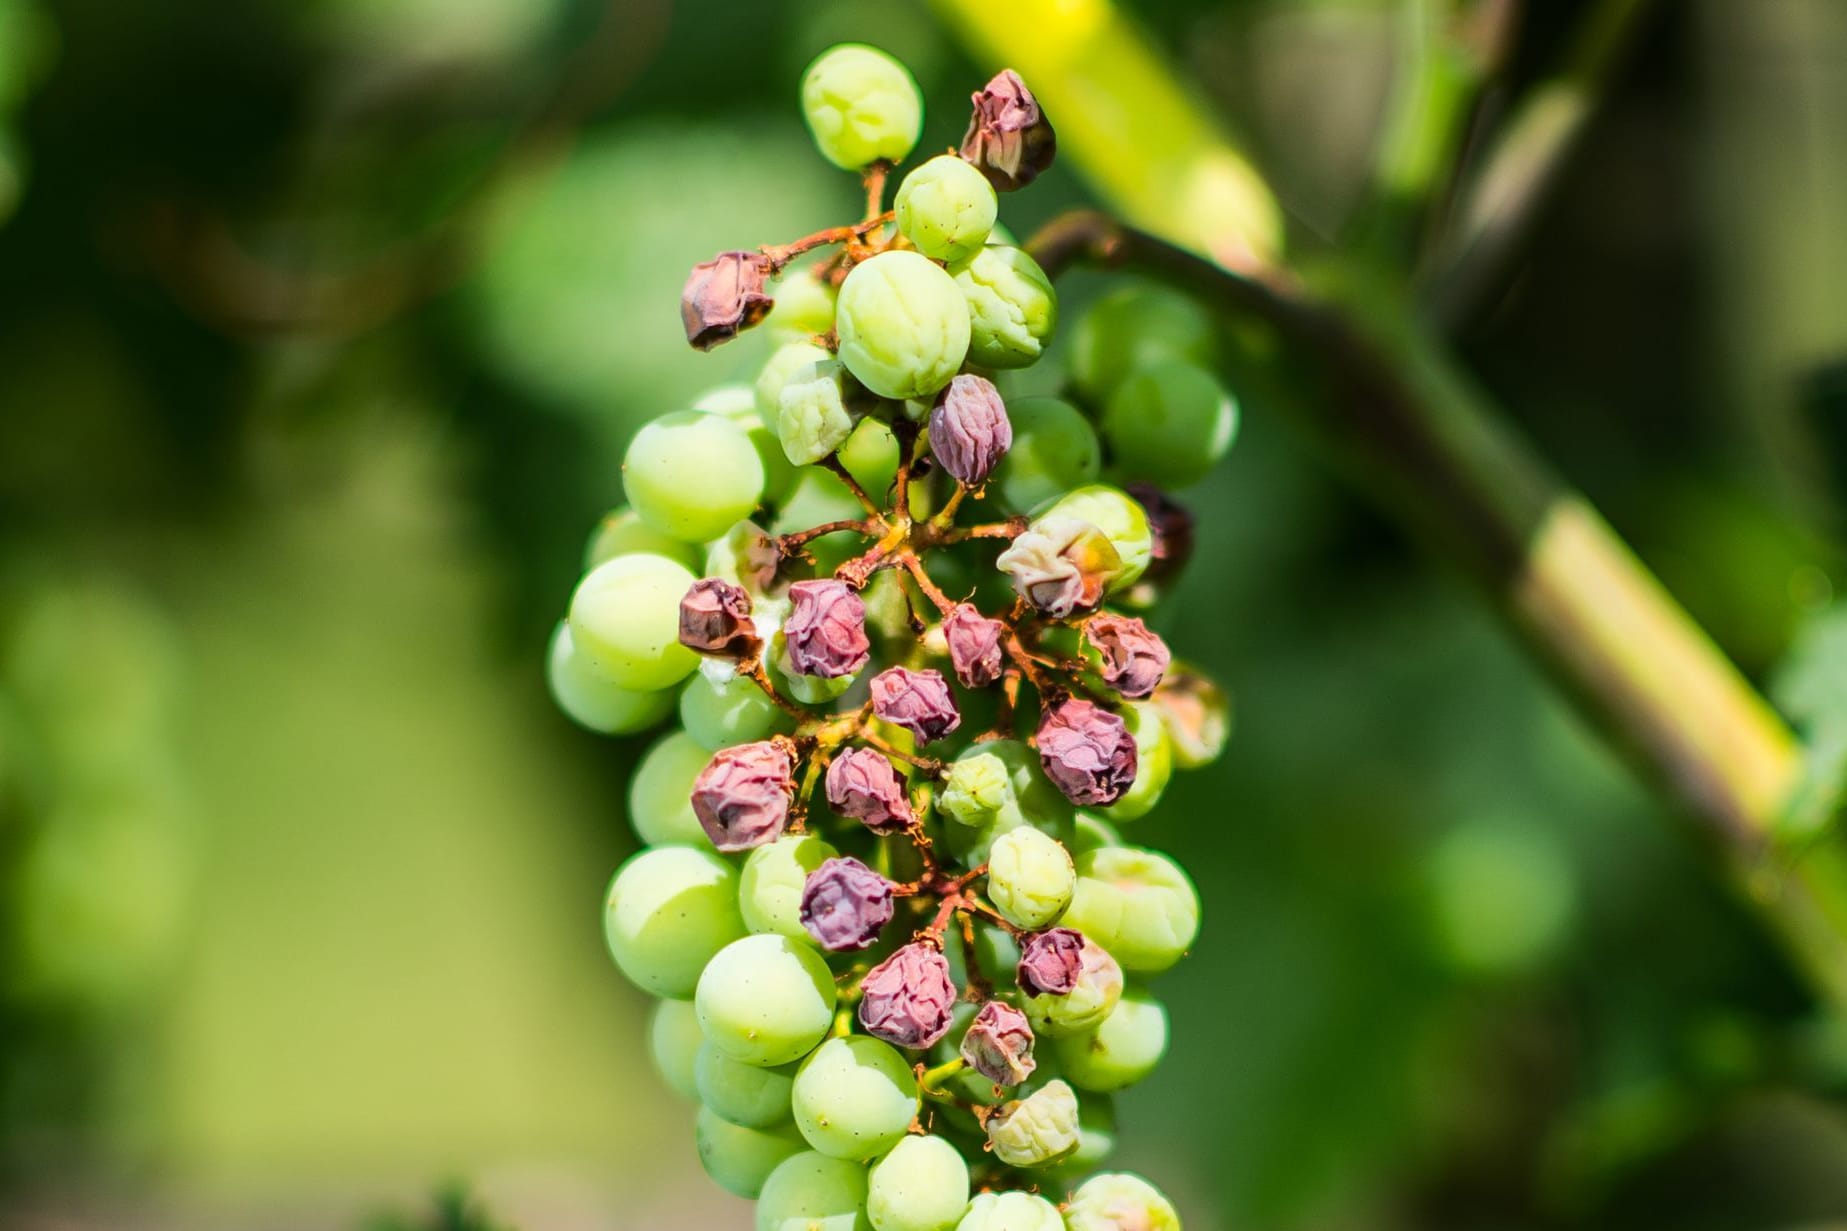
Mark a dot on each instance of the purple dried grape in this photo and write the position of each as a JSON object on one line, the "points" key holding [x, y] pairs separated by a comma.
{"points": [[742, 795], [1087, 752], [918, 701], [999, 1044], [969, 429], [1134, 658], [826, 629], [845, 904], [1170, 531], [715, 619], [1051, 962], [724, 296], [907, 999], [864, 785], [974, 645], [1009, 139]]}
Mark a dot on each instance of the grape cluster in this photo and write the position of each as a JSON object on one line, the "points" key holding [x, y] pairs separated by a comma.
{"points": [[901, 945]]}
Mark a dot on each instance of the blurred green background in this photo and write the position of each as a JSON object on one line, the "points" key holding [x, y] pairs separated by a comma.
{"points": [[322, 327]]}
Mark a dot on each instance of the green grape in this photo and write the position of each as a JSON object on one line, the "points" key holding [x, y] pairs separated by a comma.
{"points": [[818, 498], [1030, 878], [1093, 831], [1154, 761], [1114, 1200], [861, 106], [673, 1043], [813, 418], [804, 308], [765, 1000], [1120, 1050], [625, 619], [903, 326], [1098, 990], [590, 700], [1137, 904], [739, 1159], [1169, 423], [770, 890], [1037, 1130], [855, 1097], [1054, 450], [668, 911], [871, 456], [1011, 1211], [992, 788], [738, 403], [812, 1192], [1132, 328], [1012, 307], [692, 474], [921, 1185], [660, 803], [729, 710], [1119, 516], [621, 532], [946, 208], [744, 1094], [784, 362]]}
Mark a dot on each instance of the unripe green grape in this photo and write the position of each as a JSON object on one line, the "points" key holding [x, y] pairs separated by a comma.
{"points": [[739, 1159], [1137, 904], [673, 1044], [729, 710], [692, 474], [660, 804], [1012, 307], [740, 1093], [1037, 1130], [1154, 761], [1169, 423], [668, 911], [992, 788], [861, 106], [1093, 831], [1131, 328], [813, 418], [765, 1000], [621, 532], [804, 308], [903, 325], [589, 699], [1054, 450], [1011, 1211], [784, 362], [870, 455], [738, 403], [1114, 1200], [946, 208], [770, 889], [625, 620], [1119, 516], [1120, 1050], [855, 1097], [921, 1185], [1030, 878], [812, 1192]]}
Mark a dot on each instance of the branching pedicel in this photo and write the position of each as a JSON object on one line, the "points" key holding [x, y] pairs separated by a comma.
{"points": [[912, 963]]}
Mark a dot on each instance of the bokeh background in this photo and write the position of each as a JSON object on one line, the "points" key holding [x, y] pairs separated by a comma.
{"points": [[322, 326]]}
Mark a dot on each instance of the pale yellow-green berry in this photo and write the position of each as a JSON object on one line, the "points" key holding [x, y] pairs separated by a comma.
{"points": [[1037, 1130], [1012, 307], [1137, 904], [814, 419], [861, 106], [946, 208], [902, 324], [1030, 878]]}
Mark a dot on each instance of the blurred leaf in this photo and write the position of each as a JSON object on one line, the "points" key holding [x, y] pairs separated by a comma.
{"points": [[1811, 687]]}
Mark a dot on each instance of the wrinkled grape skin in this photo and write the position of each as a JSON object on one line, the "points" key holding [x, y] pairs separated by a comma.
{"points": [[625, 620], [589, 699], [1030, 878], [861, 106], [765, 1000], [740, 1160], [1054, 450], [855, 1097], [692, 475], [1012, 307], [1119, 516], [1011, 1211], [1121, 1050], [921, 1185], [668, 911], [812, 1192], [1137, 904], [743, 1094], [770, 891], [720, 715], [659, 795], [1169, 423], [673, 1044], [947, 208], [903, 325]]}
